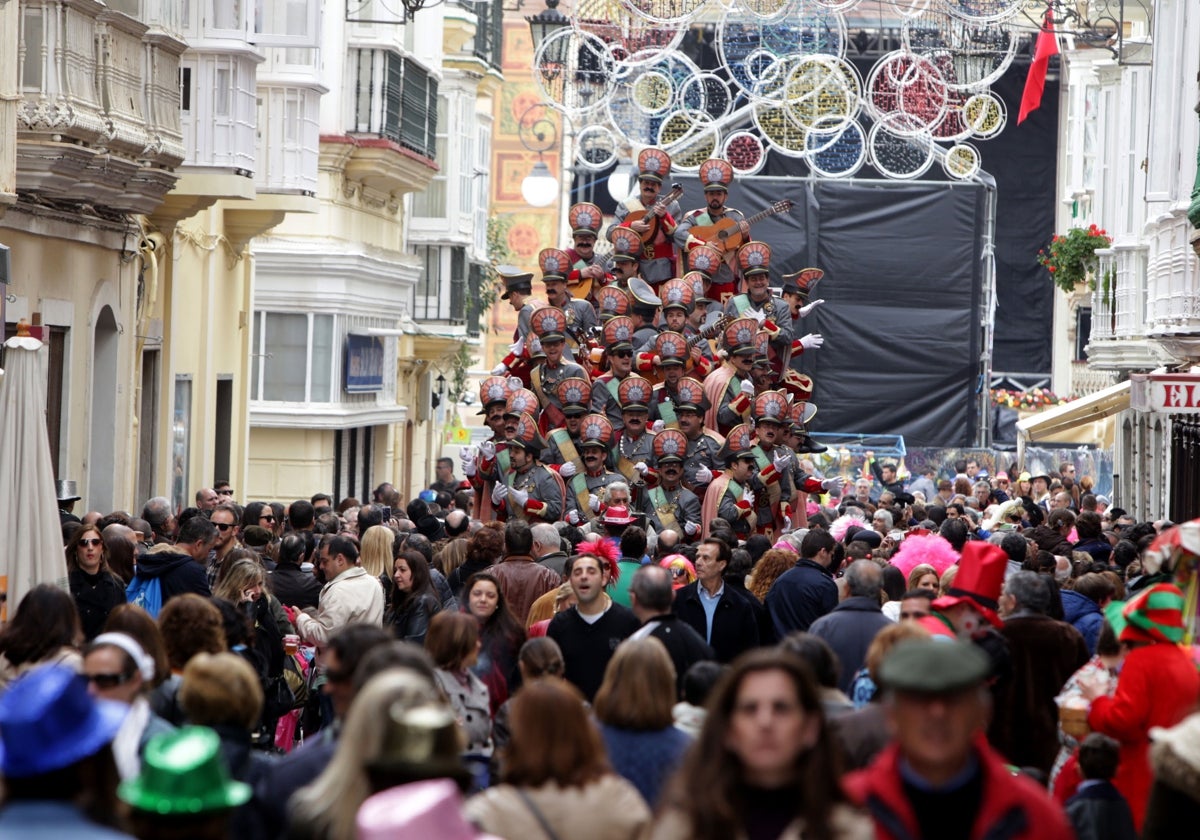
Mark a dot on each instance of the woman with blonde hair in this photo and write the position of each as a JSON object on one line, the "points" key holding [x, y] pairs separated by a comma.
{"points": [[326, 808], [452, 555], [634, 706], [923, 576], [556, 776], [376, 554]]}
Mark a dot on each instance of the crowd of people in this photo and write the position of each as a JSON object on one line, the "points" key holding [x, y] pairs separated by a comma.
{"points": [[642, 612]]}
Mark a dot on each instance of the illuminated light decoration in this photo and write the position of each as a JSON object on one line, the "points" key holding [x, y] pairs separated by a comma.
{"points": [[953, 126], [837, 155], [779, 131], [573, 71], [691, 138], [595, 147], [822, 93], [898, 155], [983, 11], [652, 92], [665, 11], [969, 54], [706, 92], [961, 162], [750, 46], [745, 152], [910, 88], [631, 40], [985, 115]]}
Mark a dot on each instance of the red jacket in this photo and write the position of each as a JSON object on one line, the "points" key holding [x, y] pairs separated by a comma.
{"points": [[1013, 807], [1158, 686]]}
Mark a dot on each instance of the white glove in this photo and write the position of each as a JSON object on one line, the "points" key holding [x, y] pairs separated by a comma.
{"points": [[787, 525], [748, 388], [500, 369], [515, 382], [782, 460], [833, 485], [594, 502], [657, 426], [748, 497], [518, 347], [535, 346], [809, 307], [567, 469], [811, 341], [519, 496], [641, 468], [703, 475], [499, 493], [574, 517], [691, 529], [467, 458], [488, 450]]}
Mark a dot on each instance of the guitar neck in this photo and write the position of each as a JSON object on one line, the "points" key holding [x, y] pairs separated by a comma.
{"points": [[758, 217]]}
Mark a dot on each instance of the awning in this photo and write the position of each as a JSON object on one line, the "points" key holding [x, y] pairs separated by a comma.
{"points": [[1085, 420]]}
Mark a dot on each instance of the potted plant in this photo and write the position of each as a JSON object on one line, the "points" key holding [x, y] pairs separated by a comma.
{"points": [[1071, 257]]}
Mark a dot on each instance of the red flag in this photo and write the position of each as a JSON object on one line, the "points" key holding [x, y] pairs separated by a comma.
{"points": [[1035, 82]]}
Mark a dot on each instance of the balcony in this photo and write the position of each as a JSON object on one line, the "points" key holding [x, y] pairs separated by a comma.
{"points": [[441, 293], [97, 93], [1173, 314], [1118, 339], [288, 139]]}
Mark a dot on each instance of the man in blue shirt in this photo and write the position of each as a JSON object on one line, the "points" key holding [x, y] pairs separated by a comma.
{"points": [[720, 614]]}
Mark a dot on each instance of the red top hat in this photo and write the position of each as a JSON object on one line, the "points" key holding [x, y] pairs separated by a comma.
{"points": [[716, 174], [612, 300], [739, 443], [698, 282], [671, 348], [494, 389], [554, 264], [574, 393], [634, 392], [771, 406], [527, 436], [803, 281], [618, 515], [690, 395], [522, 401], [618, 333], [549, 323], [584, 219], [979, 580], [739, 336]]}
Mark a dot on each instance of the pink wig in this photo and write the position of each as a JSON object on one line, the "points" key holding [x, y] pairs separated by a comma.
{"points": [[678, 561], [931, 549], [843, 523]]}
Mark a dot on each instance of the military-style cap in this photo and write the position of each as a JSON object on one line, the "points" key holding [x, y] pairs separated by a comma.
{"points": [[699, 286], [618, 333], [716, 174], [738, 337], [704, 258], [595, 430], [549, 323], [521, 401], [677, 294], [627, 245], [800, 414], [771, 407], [653, 165], [671, 348], [575, 394], [634, 393], [515, 280], [798, 385], [612, 300], [762, 344], [554, 263], [494, 389], [670, 445], [802, 282], [754, 258], [585, 219], [645, 301], [928, 666], [527, 435], [739, 443], [689, 395]]}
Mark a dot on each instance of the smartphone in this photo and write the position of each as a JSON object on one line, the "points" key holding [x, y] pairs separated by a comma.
{"points": [[387, 514]]}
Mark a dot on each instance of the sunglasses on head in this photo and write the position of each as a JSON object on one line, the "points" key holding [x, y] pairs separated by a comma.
{"points": [[108, 680], [91, 541]]}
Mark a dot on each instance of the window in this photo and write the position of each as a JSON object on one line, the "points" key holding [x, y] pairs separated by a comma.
{"points": [[32, 35], [431, 202], [1083, 332], [295, 357], [396, 98], [489, 31], [185, 89], [427, 301], [287, 23], [181, 442]]}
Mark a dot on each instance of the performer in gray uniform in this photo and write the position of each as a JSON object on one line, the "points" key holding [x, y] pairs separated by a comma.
{"points": [[534, 493], [701, 461], [596, 435], [670, 505]]}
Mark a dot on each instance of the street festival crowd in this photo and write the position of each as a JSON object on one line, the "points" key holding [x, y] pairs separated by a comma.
{"points": [[639, 611]]}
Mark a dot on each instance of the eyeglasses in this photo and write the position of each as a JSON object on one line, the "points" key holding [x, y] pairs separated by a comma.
{"points": [[623, 354], [228, 491], [223, 526], [91, 541], [108, 680]]}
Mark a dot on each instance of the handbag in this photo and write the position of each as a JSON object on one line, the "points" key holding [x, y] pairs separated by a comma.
{"points": [[537, 814]]}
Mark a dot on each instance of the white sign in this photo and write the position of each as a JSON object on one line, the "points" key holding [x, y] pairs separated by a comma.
{"points": [[1171, 393]]}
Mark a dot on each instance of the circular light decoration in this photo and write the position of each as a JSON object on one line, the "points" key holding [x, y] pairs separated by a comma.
{"points": [[664, 11], [909, 8], [909, 87], [837, 5], [748, 45], [631, 40], [690, 137], [837, 154], [759, 8], [573, 71], [899, 156], [983, 11], [984, 115], [595, 148], [706, 92], [822, 93], [952, 128], [780, 132], [961, 161], [628, 116], [745, 152], [653, 92], [969, 54]]}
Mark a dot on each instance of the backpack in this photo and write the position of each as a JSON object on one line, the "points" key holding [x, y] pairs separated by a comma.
{"points": [[145, 593]]}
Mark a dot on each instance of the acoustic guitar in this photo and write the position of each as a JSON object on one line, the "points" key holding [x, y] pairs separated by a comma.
{"points": [[654, 213], [704, 334], [725, 235]]}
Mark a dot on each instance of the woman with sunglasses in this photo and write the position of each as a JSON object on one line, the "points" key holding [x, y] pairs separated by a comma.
{"points": [[260, 514], [118, 668], [93, 585]]}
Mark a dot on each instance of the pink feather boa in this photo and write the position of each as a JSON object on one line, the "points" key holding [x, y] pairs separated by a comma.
{"points": [[839, 526], [918, 549]]}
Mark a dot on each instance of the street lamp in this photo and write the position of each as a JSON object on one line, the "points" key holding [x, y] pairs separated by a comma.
{"points": [[620, 182], [540, 187], [441, 383], [538, 133], [546, 23]]}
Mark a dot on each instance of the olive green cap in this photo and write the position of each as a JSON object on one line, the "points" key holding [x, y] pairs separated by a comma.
{"points": [[933, 666]]}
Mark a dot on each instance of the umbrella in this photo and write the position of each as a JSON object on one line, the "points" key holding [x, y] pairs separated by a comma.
{"points": [[31, 547]]}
